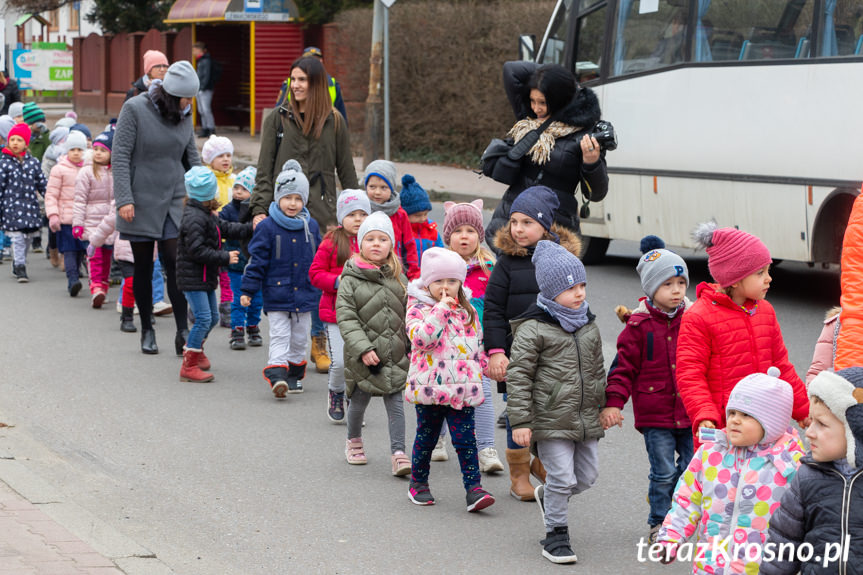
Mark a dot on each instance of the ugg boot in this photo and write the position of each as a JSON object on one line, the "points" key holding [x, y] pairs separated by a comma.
{"points": [[518, 461], [127, 323], [537, 470], [296, 372], [54, 256], [238, 338], [190, 370], [203, 360], [277, 376], [319, 353]]}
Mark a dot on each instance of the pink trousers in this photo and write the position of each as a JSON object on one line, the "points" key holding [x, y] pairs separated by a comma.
{"points": [[100, 269]]}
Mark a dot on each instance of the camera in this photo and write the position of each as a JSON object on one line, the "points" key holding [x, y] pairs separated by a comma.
{"points": [[605, 135]]}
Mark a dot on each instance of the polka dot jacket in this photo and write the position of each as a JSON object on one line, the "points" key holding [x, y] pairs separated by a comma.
{"points": [[19, 183], [727, 495]]}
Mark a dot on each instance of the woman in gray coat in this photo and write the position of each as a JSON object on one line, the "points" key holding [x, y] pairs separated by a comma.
{"points": [[154, 146]]}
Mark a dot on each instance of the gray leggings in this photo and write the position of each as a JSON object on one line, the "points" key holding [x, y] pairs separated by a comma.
{"points": [[395, 405]]}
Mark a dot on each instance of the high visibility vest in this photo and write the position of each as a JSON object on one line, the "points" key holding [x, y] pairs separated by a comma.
{"points": [[286, 90]]}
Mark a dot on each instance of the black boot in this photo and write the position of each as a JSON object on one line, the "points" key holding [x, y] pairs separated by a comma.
{"points": [[238, 338], [148, 341], [127, 323], [296, 372], [254, 333], [276, 376], [180, 341], [556, 547]]}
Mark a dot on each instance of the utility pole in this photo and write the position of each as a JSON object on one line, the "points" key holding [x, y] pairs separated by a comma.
{"points": [[372, 148]]}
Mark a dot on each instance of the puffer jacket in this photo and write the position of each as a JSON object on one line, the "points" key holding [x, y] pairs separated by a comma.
{"points": [[644, 369], [555, 381], [94, 198], [106, 234], [477, 281], [742, 486], [447, 358], [279, 261], [825, 347], [405, 246], [325, 273], [821, 508], [849, 345], [426, 236], [199, 247], [20, 181], [60, 193], [370, 309], [720, 343], [236, 211]]}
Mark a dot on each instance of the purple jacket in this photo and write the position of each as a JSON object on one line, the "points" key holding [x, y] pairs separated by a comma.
{"points": [[645, 367]]}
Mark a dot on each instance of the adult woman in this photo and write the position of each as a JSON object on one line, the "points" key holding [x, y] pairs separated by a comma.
{"points": [[9, 90], [155, 67], [562, 157], [154, 145]]}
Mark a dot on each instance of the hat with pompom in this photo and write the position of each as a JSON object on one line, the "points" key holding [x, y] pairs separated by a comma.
{"points": [[413, 197], [766, 398], [246, 178], [457, 215], [732, 254], [657, 265], [842, 393], [214, 147], [292, 180]]}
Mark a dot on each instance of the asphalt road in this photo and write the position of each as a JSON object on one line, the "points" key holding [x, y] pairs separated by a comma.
{"points": [[223, 479]]}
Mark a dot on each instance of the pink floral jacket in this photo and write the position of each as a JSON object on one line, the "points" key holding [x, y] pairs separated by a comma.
{"points": [[447, 357]]}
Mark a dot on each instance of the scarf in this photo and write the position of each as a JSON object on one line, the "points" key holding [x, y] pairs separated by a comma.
{"points": [[298, 222], [541, 150], [570, 319], [225, 183], [18, 157], [389, 207]]}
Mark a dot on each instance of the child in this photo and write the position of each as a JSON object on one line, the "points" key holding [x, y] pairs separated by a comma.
{"points": [[463, 233], [57, 136], [94, 200], [736, 479], [281, 253], [34, 117], [352, 208], [416, 204], [445, 376], [824, 503], [16, 111], [512, 289], [731, 329], [217, 154], [243, 320], [370, 311], [556, 387], [644, 369], [199, 256], [60, 207], [825, 347], [379, 181], [21, 178]]}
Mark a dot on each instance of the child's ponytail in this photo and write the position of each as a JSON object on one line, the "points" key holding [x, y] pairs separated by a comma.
{"points": [[465, 303]]}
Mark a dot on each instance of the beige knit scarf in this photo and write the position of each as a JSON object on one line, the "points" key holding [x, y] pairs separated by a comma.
{"points": [[541, 151]]}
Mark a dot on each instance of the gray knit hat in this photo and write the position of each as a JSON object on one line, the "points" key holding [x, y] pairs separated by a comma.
{"points": [[291, 180], [377, 222], [658, 265], [842, 393], [181, 80], [383, 169], [16, 109], [75, 141], [6, 123], [350, 201], [557, 270]]}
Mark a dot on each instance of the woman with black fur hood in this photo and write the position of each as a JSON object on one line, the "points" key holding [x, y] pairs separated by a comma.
{"points": [[561, 158]]}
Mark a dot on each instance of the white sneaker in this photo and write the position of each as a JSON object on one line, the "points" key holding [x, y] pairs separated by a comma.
{"points": [[439, 452], [162, 308], [120, 308], [489, 462]]}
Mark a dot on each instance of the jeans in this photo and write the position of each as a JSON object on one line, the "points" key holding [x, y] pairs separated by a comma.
{"points": [[661, 444], [571, 467], [205, 108], [317, 324], [158, 282], [244, 316], [430, 419], [205, 309]]}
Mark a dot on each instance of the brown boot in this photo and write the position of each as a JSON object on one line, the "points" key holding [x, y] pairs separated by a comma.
{"points": [[190, 370], [518, 461], [537, 470], [319, 353], [54, 256]]}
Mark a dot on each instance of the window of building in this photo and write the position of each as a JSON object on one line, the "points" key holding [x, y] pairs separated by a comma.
{"points": [[74, 15], [54, 20]]}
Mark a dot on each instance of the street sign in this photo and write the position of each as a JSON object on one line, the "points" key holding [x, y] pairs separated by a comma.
{"points": [[388, 3]]}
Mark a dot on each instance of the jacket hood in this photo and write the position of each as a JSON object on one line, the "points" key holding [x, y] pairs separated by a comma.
{"points": [[373, 274], [139, 84], [568, 239], [417, 291], [584, 111], [832, 314], [643, 309]]}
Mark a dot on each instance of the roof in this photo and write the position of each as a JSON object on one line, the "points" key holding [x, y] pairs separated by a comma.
{"points": [[24, 17], [199, 11]]}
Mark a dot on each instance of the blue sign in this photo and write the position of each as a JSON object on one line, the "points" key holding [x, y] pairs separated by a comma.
{"points": [[253, 6]]}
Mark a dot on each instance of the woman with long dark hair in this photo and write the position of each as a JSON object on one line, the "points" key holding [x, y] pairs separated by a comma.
{"points": [[154, 145]]}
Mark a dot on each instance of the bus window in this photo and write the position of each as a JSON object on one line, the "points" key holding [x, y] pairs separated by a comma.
{"points": [[591, 40], [554, 50], [842, 29], [648, 38]]}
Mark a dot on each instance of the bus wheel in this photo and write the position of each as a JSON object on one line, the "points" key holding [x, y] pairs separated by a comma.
{"points": [[593, 249]]}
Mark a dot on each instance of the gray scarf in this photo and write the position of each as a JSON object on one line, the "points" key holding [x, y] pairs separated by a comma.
{"points": [[570, 319], [389, 207]]}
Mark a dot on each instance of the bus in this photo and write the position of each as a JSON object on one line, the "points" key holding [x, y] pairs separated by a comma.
{"points": [[746, 112]]}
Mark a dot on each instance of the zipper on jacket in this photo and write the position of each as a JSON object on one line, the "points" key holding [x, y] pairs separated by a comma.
{"points": [[581, 376], [845, 511]]}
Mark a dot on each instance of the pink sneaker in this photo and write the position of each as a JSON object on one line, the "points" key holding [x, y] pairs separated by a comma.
{"points": [[354, 452]]}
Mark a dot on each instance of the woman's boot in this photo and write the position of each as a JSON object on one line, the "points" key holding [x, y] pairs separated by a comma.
{"points": [[518, 461], [537, 470], [148, 341]]}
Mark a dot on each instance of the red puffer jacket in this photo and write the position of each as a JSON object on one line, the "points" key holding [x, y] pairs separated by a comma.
{"points": [[406, 247], [720, 343], [325, 272]]}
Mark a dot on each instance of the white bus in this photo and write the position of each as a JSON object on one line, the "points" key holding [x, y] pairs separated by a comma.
{"points": [[749, 112]]}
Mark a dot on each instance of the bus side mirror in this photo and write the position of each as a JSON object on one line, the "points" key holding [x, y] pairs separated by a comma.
{"points": [[526, 50]]}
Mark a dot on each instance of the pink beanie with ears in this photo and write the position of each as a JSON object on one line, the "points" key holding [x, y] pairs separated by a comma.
{"points": [[456, 215], [731, 254]]}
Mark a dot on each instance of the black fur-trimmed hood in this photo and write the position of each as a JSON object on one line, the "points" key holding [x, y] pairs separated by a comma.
{"points": [[568, 239], [584, 111]]}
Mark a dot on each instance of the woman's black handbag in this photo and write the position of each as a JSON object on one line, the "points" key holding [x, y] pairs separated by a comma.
{"points": [[501, 160]]}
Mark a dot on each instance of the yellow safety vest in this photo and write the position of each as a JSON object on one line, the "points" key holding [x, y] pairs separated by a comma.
{"points": [[286, 90]]}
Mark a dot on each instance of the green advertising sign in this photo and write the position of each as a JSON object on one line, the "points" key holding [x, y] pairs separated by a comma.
{"points": [[60, 74], [49, 46]]}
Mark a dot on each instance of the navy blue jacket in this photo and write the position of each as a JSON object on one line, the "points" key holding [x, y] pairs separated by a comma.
{"points": [[279, 262], [236, 211]]}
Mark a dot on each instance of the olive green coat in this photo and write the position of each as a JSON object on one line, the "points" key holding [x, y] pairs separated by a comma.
{"points": [[555, 381], [320, 159], [370, 312]]}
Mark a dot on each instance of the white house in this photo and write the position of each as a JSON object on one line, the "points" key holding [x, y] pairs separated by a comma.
{"points": [[63, 24]]}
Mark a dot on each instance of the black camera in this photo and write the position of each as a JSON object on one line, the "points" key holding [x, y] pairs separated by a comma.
{"points": [[605, 135]]}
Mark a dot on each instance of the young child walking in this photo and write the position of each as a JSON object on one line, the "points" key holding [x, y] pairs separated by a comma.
{"points": [[281, 253], [370, 311], [824, 503], [512, 289], [21, 179], [217, 154], [824, 355], [736, 479], [380, 184], [644, 370], [731, 329], [199, 256], [338, 246], [60, 208], [244, 320], [445, 376], [94, 200], [417, 205]]}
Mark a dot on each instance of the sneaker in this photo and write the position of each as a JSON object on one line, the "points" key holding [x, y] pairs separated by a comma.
{"points": [[354, 452], [539, 497], [489, 462], [401, 464], [254, 333], [439, 452], [654, 531], [19, 272], [336, 409], [556, 547], [478, 498], [162, 308], [501, 419], [98, 299], [74, 288], [295, 385], [419, 493]]}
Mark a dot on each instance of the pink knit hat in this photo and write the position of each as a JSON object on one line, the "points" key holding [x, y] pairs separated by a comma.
{"points": [[731, 254], [766, 398], [441, 263], [153, 58], [456, 215]]}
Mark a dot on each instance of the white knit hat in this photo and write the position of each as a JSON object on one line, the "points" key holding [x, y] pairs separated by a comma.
{"points": [[214, 147]]}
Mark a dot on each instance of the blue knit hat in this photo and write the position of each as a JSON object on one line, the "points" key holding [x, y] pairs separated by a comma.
{"points": [[413, 197], [557, 269], [537, 202], [83, 129], [105, 139], [201, 184], [246, 178]]}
